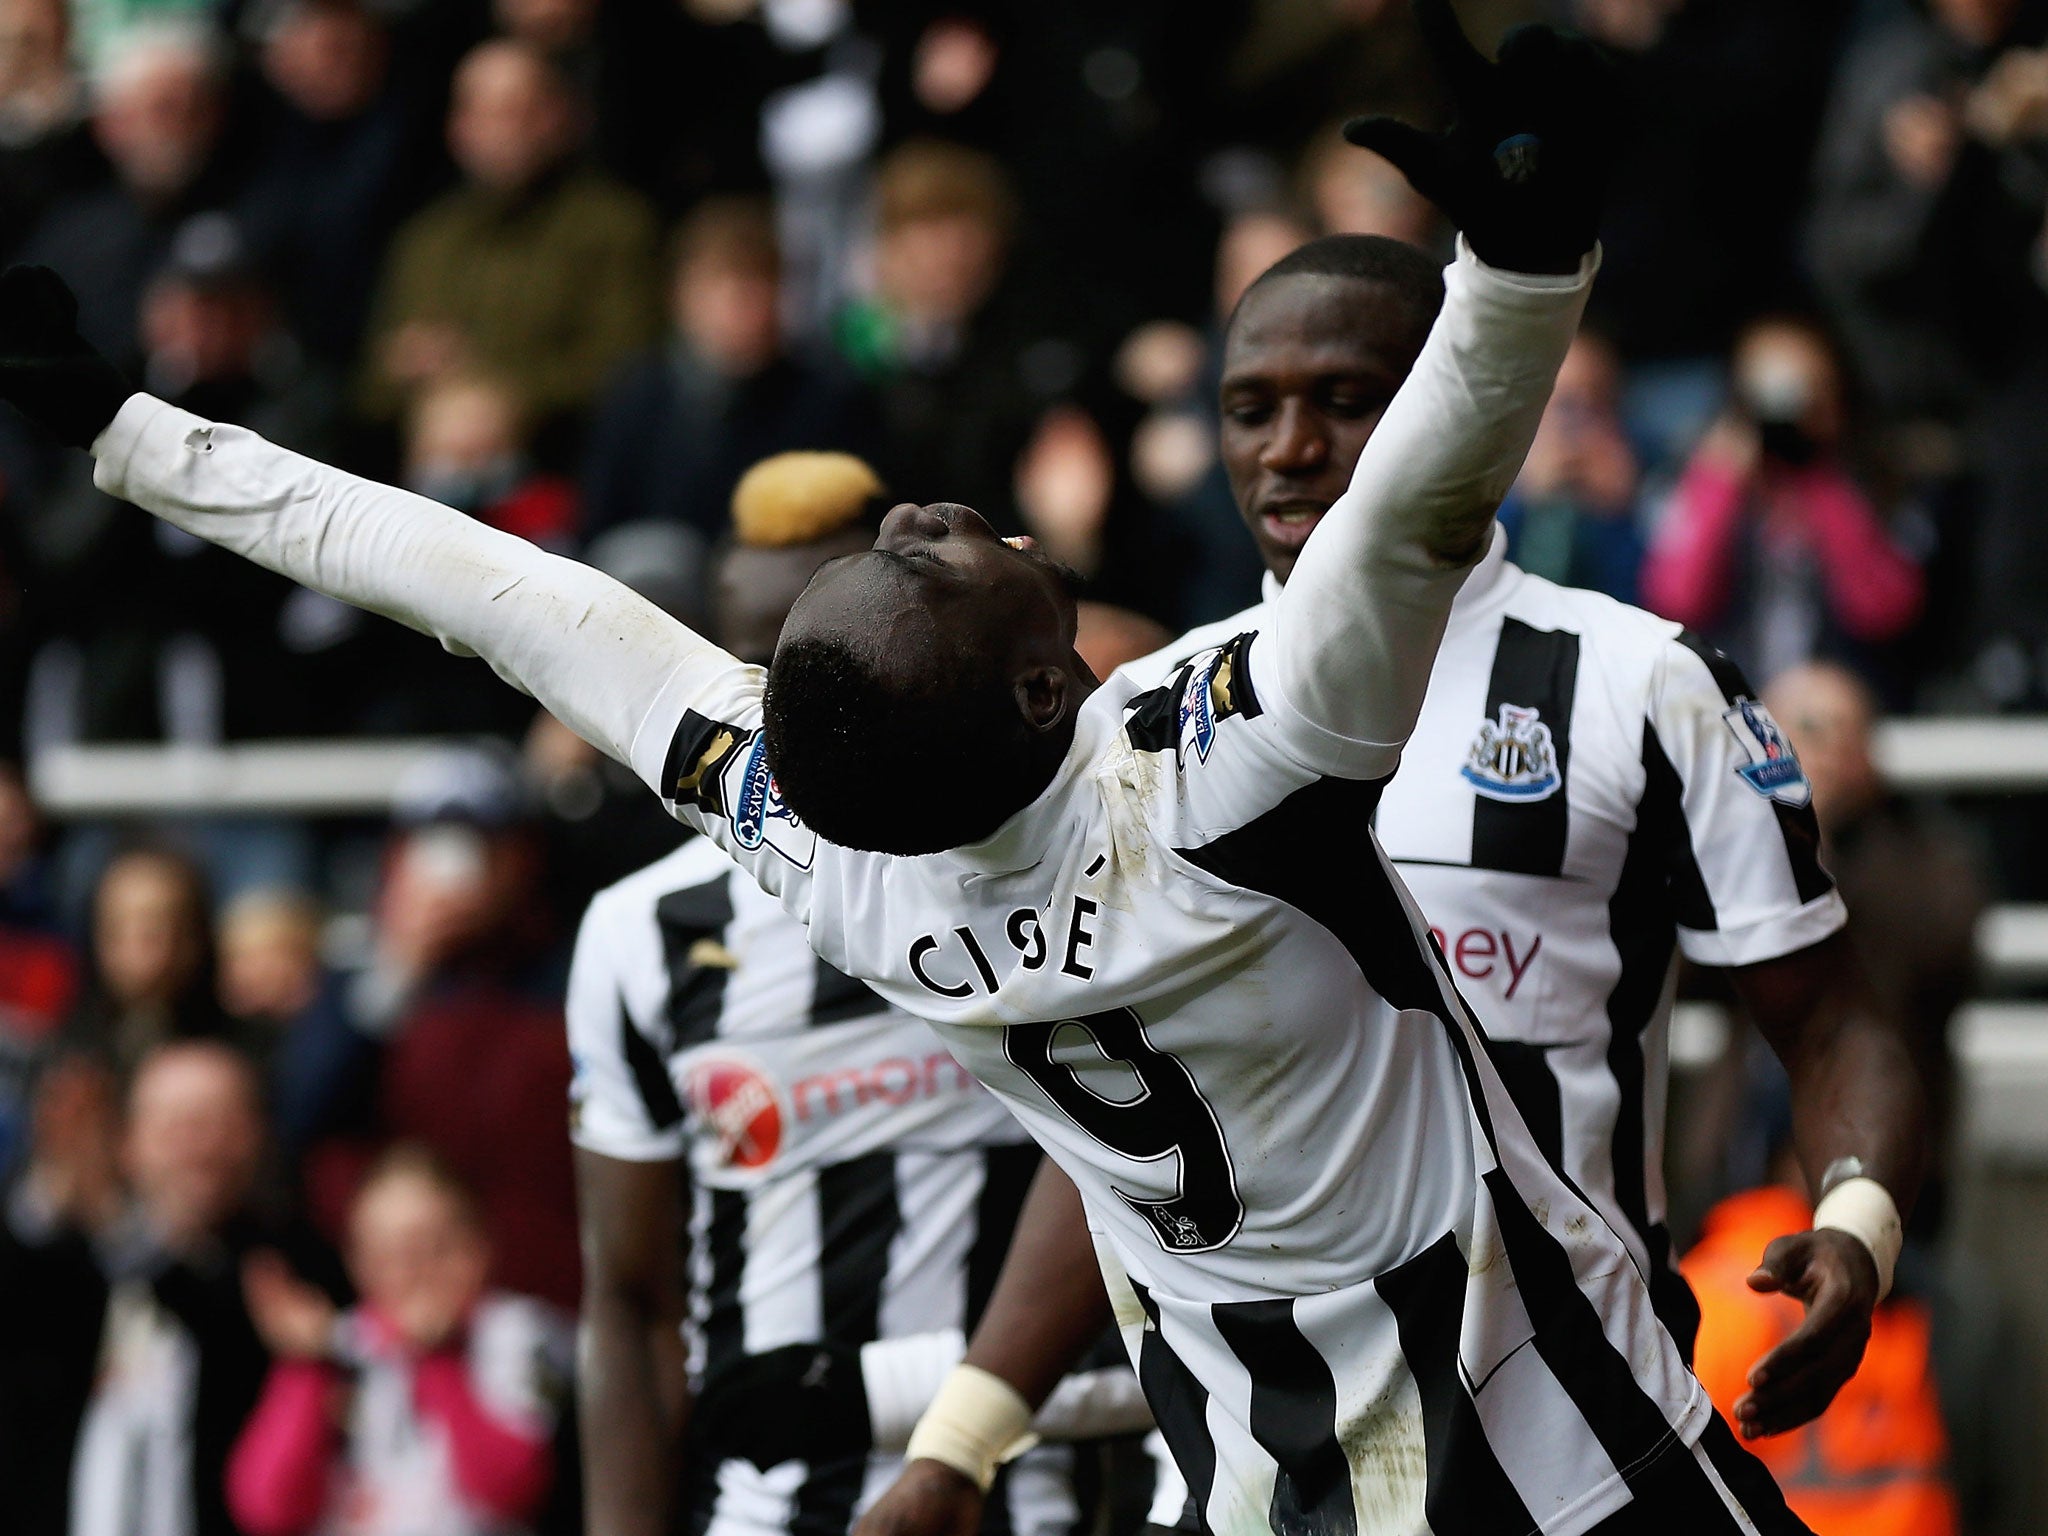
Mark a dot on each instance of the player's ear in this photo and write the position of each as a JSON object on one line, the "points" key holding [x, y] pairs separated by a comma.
{"points": [[1042, 694]]}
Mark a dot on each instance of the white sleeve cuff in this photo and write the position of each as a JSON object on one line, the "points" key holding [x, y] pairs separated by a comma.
{"points": [[1766, 938], [902, 1376]]}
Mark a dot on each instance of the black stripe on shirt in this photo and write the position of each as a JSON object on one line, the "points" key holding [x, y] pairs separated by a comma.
{"points": [[1532, 669], [837, 997], [1314, 850], [1152, 718], [697, 752], [1293, 1416], [1627, 1422], [859, 1216], [1797, 825], [1467, 1488], [1180, 1406], [1524, 1068], [1006, 1175], [1659, 884], [693, 916], [725, 1325], [650, 1074]]}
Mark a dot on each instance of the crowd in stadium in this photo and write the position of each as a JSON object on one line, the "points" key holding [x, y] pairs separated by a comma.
{"points": [[572, 267]]}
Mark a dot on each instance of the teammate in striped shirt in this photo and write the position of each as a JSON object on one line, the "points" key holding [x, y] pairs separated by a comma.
{"points": [[767, 1154], [1151, 919]]}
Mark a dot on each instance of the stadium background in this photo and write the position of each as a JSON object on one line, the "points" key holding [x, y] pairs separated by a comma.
{"points": [[572, 266]]}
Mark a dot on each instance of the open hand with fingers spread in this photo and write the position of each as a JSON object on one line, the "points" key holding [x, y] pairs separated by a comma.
{"points": [[47, 370], [1833, 1273], [1524, 164]]}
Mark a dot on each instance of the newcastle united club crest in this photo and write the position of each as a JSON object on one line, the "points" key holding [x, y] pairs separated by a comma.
{"points": [[1513, 758]]}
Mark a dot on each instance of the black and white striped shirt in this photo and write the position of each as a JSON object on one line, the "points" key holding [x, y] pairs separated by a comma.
{"points": [[1591, 791], [849, 1179], [1359, 1296]]}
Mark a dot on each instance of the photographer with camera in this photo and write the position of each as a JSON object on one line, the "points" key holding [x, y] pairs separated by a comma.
{"points": [[1770, 549]]}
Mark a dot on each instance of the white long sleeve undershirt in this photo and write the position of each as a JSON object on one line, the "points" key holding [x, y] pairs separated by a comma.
{"points": [[595, 653]]}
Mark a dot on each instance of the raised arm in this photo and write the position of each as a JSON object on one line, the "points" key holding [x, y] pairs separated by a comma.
{"points": [[1357, 626], [595, 654], [1520, 173]]}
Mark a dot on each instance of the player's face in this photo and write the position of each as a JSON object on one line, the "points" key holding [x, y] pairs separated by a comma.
{"points": [[939, 583], [1309, 365]]}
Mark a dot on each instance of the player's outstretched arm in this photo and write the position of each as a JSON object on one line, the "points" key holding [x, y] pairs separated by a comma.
{"points": [[1859, 1119], [1520, 172], [593, 652]]}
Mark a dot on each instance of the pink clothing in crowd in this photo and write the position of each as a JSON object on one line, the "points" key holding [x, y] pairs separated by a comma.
{"points": [[1873, 591], [458, 1442]]}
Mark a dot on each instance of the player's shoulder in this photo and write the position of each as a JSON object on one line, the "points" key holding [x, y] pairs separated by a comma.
{"points": [[1627, 644], [698, 862], [1157, 669]]}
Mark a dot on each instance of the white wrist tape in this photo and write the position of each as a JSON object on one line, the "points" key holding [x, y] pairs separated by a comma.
{"points": [[976, 1423], [1865, 1210]]}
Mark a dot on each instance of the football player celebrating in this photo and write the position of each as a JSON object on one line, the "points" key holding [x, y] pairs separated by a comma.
{"points": [[1587, 792], [1152, 919]]}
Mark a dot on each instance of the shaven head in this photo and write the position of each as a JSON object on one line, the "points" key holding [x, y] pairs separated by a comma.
{"points": [[1314, 352], [924, 691]]}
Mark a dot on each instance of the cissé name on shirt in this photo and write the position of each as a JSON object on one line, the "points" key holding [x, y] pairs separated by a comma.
{"points": [[955, 964]]}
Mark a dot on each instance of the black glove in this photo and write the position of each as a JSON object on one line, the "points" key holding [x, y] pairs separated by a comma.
{"points": [[51, 373], [1524, 164], [803, 1402]]}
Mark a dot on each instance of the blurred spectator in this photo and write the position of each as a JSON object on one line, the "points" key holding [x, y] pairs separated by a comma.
{"points": [[342, 154], [1571, 517], [1356, 192], [162, 634], [467, 448], [964, 376], [38, 973], [1909, 266], [181, 1365], [1876, 1463], [275, 987], [429, 1406], [1770, 547], [1701, 219], [679, 425], [1927, 239], [1914, 884], [469, 445], [467, 990], [1215, 570], [64, 1200], [535, 269], [150, 979], [159, 107], [46, 149]]}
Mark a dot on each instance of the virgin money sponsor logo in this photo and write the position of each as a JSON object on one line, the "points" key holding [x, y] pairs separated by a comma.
{"points": [[751, 1113], [741, 1106]]}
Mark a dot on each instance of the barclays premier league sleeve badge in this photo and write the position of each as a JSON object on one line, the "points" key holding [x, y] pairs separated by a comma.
{"points": [[1773, 769], [753, 804]]}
